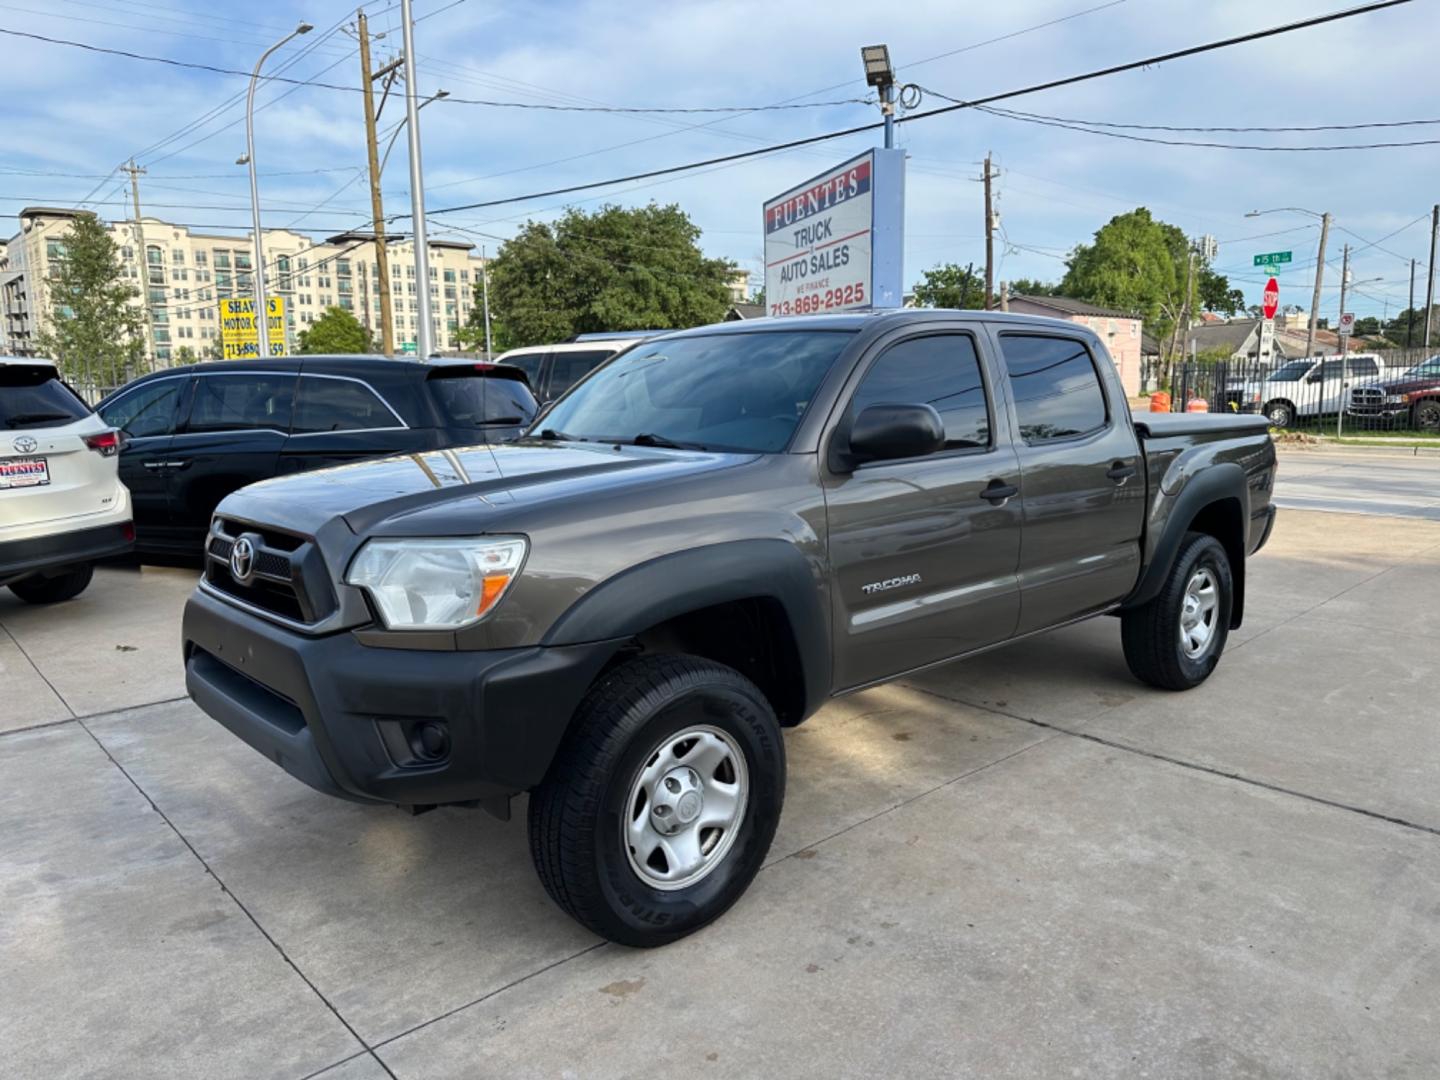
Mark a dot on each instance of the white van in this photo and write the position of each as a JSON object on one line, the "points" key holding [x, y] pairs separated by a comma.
{"points": [[62, 505]]}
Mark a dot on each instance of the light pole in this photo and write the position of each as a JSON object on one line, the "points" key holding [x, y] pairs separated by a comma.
{"points": [[262, 314], [425, 336], [879, 74], [1319, 265]]}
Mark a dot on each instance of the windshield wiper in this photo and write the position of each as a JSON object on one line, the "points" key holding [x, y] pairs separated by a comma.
{"points": [[649, 438], [504, 420], [549, 434], [35, 418]]}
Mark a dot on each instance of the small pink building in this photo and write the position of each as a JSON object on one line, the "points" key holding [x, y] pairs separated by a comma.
{"points": [[1120, 332]]}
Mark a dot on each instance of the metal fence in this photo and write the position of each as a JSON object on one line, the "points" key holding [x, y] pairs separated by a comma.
{"points": [[1391, 393]]}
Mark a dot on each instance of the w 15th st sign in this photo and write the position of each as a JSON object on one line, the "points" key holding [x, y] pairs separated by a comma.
{"points": [[238, 340], [836, 242]]}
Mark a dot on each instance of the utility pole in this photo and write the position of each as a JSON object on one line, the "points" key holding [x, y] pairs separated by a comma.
{"points": [[1344, 287], [485, 296], [1430, 274], [1004, 296], [1410, 311], [136, 172], [1319, 278], [989, 242], [377, 211], [425, 336]]}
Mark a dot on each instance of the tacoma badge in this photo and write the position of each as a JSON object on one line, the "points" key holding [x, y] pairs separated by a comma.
{"points": [[890, 583]]}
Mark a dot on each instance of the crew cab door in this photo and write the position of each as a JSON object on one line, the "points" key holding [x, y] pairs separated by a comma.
{"points": [[923, 551], [1081, 474]]}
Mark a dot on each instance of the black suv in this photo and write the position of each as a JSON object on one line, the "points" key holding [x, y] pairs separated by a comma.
{"points": [[194, 434]]}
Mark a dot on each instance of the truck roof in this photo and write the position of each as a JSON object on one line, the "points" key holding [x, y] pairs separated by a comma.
{"points": [[865, 320]]}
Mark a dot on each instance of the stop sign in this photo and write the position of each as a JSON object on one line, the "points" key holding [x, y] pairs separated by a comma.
{"points": [[1272, 298]]}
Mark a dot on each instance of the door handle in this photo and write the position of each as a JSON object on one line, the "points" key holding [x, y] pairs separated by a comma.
{"points": [[997, 492], [154, 464], [1121, 471], [184, 464]]}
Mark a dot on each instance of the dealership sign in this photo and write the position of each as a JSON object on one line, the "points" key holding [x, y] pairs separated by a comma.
{"points": [[238, 338], [836, 242]]}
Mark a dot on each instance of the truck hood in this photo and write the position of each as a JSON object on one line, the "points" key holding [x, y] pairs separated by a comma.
{"points": [[366, 493]]}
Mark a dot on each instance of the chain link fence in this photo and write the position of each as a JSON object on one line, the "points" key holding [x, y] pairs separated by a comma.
{"points": [[1395, 392]]}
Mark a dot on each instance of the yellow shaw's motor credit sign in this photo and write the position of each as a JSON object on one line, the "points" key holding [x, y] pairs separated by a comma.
{"points": [[238, 339]]}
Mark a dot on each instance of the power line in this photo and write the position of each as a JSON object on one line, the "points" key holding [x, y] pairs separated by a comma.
{"points": [[452, 99], [1015, 113], [1193, 50]]}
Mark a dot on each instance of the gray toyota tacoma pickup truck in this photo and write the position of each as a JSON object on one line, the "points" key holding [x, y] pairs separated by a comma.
{"points": [[698, 546]]}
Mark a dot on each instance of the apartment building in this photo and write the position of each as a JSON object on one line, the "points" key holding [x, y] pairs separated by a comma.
{"points": [[180, 275]]}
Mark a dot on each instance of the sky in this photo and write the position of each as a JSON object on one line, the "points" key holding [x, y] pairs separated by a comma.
{"points": [[71, 116]]}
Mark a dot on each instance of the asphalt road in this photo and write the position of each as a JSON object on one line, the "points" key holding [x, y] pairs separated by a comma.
{"points": [[1391, 484], [1022, 866]]}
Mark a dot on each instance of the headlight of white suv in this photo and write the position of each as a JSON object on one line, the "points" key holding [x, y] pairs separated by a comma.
{"points": [[437, 584]]}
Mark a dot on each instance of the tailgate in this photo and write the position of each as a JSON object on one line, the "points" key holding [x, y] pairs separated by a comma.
{"points": [[46, 475]]}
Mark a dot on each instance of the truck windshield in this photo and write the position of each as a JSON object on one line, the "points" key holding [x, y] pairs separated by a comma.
{"points": [[738, 391], [1292, 372]]}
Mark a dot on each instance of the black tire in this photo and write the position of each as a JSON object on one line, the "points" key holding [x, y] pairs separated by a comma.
{"points": [[65, 585], [1281, 414], [577, 813], [1425, 415], [1151, 633]]}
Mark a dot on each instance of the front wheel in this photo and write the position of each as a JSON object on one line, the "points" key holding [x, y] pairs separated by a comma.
{"points": [[66, 585], [661, 804], [1175, 640], [1427, 415]]}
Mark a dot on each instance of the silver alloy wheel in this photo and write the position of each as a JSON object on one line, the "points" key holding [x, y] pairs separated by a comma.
{"points": [[1279, 415], [1198, 612], [685, 807]]}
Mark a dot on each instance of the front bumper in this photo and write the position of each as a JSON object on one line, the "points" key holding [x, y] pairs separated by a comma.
{"points": [[20, 558], [326, 709]]}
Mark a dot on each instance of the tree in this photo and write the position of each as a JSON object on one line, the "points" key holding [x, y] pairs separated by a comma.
{"points": [[185, 355], [949, 286], [615, 269], [1216, 295], [1367, 327], [336, 331], [95, 334], [1031, 287]]}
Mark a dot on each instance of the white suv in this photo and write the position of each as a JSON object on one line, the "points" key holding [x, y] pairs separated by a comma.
{"points": [[62, 505]]}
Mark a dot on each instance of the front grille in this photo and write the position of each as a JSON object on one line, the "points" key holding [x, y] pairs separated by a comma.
{"points": [[288, 578], [1367, 396]]}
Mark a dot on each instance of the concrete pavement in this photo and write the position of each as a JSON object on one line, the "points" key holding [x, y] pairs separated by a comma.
{"points": [[1023, 865]]}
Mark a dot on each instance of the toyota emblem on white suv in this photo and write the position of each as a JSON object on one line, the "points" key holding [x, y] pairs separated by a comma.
{"points": [[25, 444], [242, 560]]}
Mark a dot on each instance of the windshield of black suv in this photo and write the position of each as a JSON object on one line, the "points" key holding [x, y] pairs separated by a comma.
{"points": [[31, 396], [1293, 371], [738, 391]]}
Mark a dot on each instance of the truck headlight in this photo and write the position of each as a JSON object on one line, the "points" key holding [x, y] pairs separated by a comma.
{"points": [[437, 584]]}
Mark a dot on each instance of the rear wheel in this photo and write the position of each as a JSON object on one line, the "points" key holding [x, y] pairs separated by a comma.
{"points": [[52, 589], [1281, 414], [1175, 640], [661, 804]]}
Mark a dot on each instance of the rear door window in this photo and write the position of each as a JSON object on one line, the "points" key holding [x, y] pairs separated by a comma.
{"points": [[339, 405], [145, 410], [469, 398], [242, 402], [31, 396], [568, 368], [1055, 385]]}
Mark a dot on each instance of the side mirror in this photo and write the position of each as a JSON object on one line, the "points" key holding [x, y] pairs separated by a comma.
{"points": [[883, 432]]}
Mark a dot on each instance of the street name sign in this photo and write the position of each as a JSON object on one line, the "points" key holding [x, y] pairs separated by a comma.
{"points": [[1271, 298], [238, 339], [1272, 258], [836, 242]]}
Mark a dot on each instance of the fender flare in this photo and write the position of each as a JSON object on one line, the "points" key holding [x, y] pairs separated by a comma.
{"points": [[672, 585], [1219, 481]]}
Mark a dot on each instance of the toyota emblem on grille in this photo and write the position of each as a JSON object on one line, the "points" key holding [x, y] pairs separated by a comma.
{"points": [[26, 445], [242, 560]]}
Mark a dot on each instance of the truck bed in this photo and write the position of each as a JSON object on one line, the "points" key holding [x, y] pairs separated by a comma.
{"points": [[1164, 425]]}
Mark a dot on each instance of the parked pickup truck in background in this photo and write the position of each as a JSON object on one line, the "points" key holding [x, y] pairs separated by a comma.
{"points": [[1412, 396], [700, 544]]}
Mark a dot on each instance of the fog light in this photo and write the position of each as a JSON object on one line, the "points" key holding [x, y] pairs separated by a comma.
{"points": [[429, 741]]}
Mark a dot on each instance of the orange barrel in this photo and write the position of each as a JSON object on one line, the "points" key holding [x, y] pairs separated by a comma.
{"points": [[1198, 404], [1160, 401]]}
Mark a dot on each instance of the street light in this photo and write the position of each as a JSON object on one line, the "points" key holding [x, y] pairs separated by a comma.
{"points": [[261, 317], [879, 74], [439, 95], [1319, 265]]}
